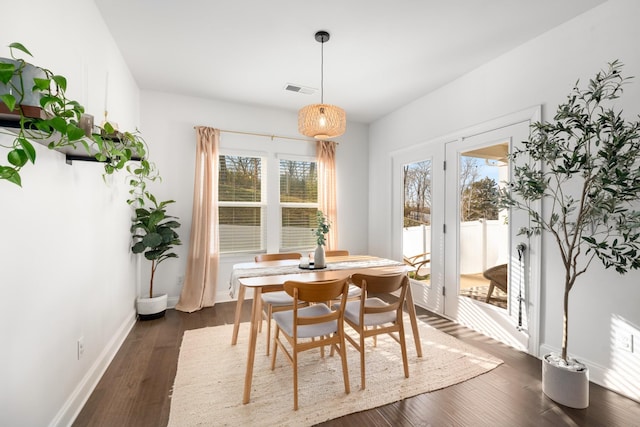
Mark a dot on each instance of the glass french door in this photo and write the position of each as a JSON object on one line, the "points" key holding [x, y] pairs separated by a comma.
{"points": [[485, 276], [418, 201]]}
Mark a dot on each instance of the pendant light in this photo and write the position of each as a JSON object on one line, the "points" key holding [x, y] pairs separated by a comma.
{"points": [[322, 121]]}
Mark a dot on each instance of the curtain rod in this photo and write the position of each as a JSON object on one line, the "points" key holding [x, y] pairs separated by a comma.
{"points": [[272, 137], [264, 134]]}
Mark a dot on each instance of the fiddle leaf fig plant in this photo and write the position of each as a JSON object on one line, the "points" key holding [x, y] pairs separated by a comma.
{"points": [[154, 234], [584, 166]]}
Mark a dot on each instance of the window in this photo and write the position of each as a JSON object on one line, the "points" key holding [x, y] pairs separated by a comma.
{"points": [[241, 204], [263, 208], [298, 203]]}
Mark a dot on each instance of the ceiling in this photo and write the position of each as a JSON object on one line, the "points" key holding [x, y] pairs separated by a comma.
{"points": [[382, 54]]}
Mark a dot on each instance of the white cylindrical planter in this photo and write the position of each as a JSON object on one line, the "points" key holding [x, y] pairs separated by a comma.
{"points": [[151, 308], [568, 386], [318, 258]]}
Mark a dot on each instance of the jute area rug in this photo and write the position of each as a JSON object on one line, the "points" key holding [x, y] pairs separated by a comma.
{"points": [[210, 378]]}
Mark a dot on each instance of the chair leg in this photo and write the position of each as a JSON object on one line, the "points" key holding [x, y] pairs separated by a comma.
{"points": [[269, 315], [342, 351], [490, 291], [261, 316], [403, 348], [275, 348], [295, 379], [332, 349], [362, 373]]}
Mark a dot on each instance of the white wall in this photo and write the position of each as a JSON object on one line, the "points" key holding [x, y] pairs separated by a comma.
{"points": [[169, 121], [539, 72], [66, 269]]}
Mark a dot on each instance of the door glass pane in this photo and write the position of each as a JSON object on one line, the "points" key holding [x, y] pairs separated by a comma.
{"points": [[416, 233], [484, 229]]}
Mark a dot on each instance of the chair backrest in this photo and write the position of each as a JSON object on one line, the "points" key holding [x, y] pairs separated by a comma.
{"points": [[382, 284], [379, 284], [277, 257], [338, 252], [318, 291]]}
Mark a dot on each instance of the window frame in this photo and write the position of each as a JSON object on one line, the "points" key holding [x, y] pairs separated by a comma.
{"points": [[269, 199], [262, 204], [281, 205]]}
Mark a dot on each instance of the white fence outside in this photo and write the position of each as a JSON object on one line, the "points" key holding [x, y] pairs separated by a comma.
{"points": [[483, 244]]}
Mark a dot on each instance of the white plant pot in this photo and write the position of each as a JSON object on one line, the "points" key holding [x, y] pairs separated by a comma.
{"points": [[151, 308], [29, 98], [568, 386]]}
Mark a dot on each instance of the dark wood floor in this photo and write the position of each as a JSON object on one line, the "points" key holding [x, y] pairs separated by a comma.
{"points": [[136, 389]]}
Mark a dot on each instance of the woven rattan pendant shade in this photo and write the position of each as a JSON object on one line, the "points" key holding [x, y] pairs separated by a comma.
{"points": [[322, 121]]}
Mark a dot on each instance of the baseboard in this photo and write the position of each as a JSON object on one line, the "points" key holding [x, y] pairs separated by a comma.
{"points": [[172, 301], [225, 297], [74, 404], [620, 382]]}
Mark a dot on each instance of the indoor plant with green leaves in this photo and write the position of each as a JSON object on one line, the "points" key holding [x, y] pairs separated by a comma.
{"points": [[321, 230], [34, 105], [154, 236], [584, 166], [55, 121]]}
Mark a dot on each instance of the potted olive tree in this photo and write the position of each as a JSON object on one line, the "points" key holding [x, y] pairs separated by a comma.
{"points": [[154, 235], [585, 168]]}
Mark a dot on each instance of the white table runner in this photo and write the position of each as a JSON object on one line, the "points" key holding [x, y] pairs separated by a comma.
{"points": [[367, 262]]}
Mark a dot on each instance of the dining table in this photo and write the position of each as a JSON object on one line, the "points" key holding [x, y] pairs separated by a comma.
{"points": [[268, 276]]}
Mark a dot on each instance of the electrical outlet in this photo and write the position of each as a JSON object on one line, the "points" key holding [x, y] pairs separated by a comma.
{"points": [[624, 341], [180, 280], [80, 347]]}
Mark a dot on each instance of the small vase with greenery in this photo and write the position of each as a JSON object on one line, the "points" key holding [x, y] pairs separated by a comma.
{"points": [[584, 166], [320, 231]]}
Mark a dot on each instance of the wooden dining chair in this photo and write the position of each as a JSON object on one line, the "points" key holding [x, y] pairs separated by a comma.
{"points": [[276, 300], [315, 325], [336, 252], [276, 257], [354, 291], [370, 316]]}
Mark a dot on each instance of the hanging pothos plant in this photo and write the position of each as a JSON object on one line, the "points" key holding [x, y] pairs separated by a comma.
{"points": [[56, 123]]}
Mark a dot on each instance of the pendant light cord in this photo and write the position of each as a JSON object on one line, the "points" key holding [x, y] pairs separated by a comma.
{"points": [[322, 72]]}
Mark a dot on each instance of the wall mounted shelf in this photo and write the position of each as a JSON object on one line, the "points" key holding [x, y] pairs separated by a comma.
{"points": [[11, 120]]}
